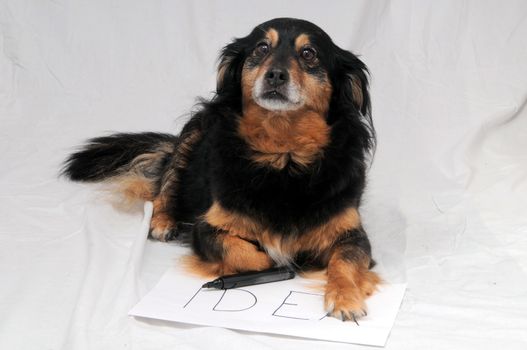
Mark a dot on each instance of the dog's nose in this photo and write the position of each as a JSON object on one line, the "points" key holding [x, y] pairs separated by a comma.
{"points": [[276, 77]]}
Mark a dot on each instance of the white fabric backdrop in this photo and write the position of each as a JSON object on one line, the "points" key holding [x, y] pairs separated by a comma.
{"points": [[445, 206]]}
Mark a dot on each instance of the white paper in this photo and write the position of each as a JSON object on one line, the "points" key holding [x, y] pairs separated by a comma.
{"points": [[293, 307]]}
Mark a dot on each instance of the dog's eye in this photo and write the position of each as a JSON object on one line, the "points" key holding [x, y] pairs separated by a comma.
{"points": [[262, 48], [309, 54]]}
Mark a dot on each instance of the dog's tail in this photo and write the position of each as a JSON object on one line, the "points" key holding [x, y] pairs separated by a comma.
{"points": [[136, 162]]}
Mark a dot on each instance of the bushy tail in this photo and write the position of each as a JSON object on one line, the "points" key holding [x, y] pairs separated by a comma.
{"points": [[135, 160]]}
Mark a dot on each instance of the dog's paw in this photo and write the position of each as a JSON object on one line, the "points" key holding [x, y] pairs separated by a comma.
{"points": [[344, 304], [162, 228], [345, 295]]}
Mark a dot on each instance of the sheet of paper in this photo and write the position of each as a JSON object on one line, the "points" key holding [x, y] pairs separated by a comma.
{"points": [[293, 307]]}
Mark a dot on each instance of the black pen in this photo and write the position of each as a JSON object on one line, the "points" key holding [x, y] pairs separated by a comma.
{"points": [[251, 278]]}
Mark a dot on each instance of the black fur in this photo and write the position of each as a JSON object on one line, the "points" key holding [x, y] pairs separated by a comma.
{"points": [[104, 157]]}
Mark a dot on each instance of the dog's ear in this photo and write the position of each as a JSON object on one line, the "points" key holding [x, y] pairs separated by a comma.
{"points": [[230, 67], [352, 81], [351, 97]]}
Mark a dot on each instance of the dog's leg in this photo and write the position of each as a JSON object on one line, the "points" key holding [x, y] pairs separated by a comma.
{"points": [[162, 226], [350, 280], [240, 255], [222, 254]]}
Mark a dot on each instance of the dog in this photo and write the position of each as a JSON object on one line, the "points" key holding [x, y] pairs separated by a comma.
{"points": [[269, 172]]}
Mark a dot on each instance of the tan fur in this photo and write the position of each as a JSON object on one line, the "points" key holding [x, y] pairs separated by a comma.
{"points": [[278, 138], [206, 269], [318, 240], [231, 222], [316, 90], [323, 237], [272, 36], [224, 64], [301, 41], [356, 92], [249, 76], [161, 223], [349, 284], [145, 162], [239, 256], [132, 184], [134, 187]]}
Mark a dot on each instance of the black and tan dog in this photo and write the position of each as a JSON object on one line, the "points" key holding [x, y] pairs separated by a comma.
{"points": [[269, 172]]}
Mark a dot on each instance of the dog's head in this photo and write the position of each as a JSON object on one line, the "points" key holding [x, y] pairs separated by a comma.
{"points": [[287, 65]]}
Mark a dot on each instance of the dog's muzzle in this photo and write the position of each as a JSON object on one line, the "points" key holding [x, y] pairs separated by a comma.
{"points": [[275, 91]]}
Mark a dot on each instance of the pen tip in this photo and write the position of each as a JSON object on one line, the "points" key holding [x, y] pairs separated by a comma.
{"points": [[206, 285]]}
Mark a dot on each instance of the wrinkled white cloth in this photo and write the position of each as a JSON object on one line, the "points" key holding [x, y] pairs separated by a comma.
{"points": [[447, 194]]}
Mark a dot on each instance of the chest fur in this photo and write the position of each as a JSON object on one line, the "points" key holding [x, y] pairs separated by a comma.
{"points": [[277, 139]]}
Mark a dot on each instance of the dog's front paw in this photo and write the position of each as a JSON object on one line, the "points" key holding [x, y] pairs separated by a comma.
{"points": [[344, 303], [346, 293]]}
